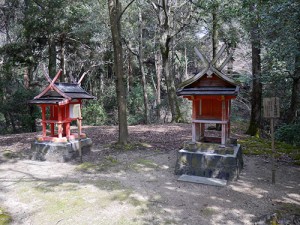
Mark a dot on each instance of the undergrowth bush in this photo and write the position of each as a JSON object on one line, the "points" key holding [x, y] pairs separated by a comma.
{"points": [[94, 114], [289, 133]]}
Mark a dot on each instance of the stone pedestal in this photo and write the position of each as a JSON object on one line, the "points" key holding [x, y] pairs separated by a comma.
{"points": [[210, 160], [59, 152]]}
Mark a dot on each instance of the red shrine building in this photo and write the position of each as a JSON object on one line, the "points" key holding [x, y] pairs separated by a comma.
{"points": [[60, 104], [211, 93]]}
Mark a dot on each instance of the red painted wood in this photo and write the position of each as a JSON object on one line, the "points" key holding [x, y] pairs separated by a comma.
{"points": [[43, 121]]}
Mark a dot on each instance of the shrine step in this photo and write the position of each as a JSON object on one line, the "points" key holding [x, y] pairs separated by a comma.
{"points": [[203, 180]]}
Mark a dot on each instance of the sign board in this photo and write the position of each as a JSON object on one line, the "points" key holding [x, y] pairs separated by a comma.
{"points": [[74, 111], [271, 107]]}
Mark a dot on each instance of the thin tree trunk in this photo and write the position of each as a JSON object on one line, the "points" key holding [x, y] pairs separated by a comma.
{"points": [[140, 59], [295, 100], [52, 57], [215, 43], [31, 108], [256, 94], [62, 59], [114, 7], [158, 67]]}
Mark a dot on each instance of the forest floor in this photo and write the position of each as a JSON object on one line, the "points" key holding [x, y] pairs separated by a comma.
{"points": [[137, 185]]}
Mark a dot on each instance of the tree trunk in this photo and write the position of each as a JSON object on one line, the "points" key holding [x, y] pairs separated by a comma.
{"points": [[140, 59], [215, 43], [114, 7], [158, 68], [31, 108], [295, 97], [52, 57], [62, 59], [214, 32], [170, 83], [256, 94]]}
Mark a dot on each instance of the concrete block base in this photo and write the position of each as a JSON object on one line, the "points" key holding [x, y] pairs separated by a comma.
{"points": [[210, 160], [59, 152]]}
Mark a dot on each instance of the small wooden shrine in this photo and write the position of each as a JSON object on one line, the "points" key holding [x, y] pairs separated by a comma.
{"points": [[211, 93], [61, 104], [215, 157]]}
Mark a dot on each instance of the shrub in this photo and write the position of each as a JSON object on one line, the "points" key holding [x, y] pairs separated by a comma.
{"points": [[289, 133], [94, 114]]}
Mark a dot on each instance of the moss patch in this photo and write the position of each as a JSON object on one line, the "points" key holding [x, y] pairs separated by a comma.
{"points": [[5, 218], [88, 202], [10, 154], [259, 146], [104, 165], [143, 165]]}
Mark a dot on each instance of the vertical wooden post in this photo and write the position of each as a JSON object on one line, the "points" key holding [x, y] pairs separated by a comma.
{"points": [[79, 132], [273, 152], [68, 132], [228, 117], [195, 126], [223, 131], [43, 121], [52, 117], [202, 125], [59, 123]]}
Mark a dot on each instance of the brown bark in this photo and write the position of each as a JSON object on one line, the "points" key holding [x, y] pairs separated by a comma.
{"points": [[165, 41], [114, 7], [140, 59], [256, 94], [295, 97], [158, 67], [52, 57], [62, 58]]}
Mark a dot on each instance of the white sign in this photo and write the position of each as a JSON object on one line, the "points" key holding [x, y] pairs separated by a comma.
{"points": [[271, 107], [74, 111]]}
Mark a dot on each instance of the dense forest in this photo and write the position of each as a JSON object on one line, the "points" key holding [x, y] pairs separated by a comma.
{"points": [[135, 53]]}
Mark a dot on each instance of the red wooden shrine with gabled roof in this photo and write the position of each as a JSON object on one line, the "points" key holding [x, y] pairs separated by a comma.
{"points": [[61, 104], [211, 93]]}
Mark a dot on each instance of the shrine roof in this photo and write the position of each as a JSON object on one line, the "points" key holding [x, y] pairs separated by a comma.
{"points": [[59, 93], [227, 91], [193, 85]]}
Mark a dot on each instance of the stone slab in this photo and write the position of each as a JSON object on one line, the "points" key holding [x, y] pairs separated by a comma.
{"points": [[203, 180], [59, 152]]}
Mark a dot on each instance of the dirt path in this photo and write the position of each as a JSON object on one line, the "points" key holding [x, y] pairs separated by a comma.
{"points": [[136, 186]]}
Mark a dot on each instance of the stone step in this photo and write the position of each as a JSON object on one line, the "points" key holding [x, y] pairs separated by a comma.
{"points": [[203, 180]]}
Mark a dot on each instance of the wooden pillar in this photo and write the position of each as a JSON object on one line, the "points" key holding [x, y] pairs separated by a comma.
{"points": [[52, 117], [202, 125], [68, 132], [43, 120], [195, 126], [223, 131], [59, 123], [228, 117], [79, 122]]}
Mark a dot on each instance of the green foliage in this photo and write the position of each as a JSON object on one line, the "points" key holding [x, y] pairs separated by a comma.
{"points": [[289, 133], [135, 105], [94, 114]]}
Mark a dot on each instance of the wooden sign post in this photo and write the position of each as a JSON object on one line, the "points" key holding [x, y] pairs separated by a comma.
{"points": [[272, 111]]}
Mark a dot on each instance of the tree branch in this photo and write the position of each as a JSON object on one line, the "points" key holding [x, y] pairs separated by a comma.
{"points": [[121, 14]]}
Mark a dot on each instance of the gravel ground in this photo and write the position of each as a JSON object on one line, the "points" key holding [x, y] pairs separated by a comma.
{"points": [[136, 186]]}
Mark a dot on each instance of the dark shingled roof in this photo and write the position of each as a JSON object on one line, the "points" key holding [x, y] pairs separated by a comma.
{"points": [[209, 91], [185, 89], [69, 90]]}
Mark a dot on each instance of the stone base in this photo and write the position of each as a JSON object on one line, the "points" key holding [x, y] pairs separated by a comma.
{"points": [[210, 160], [59, 152]]}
